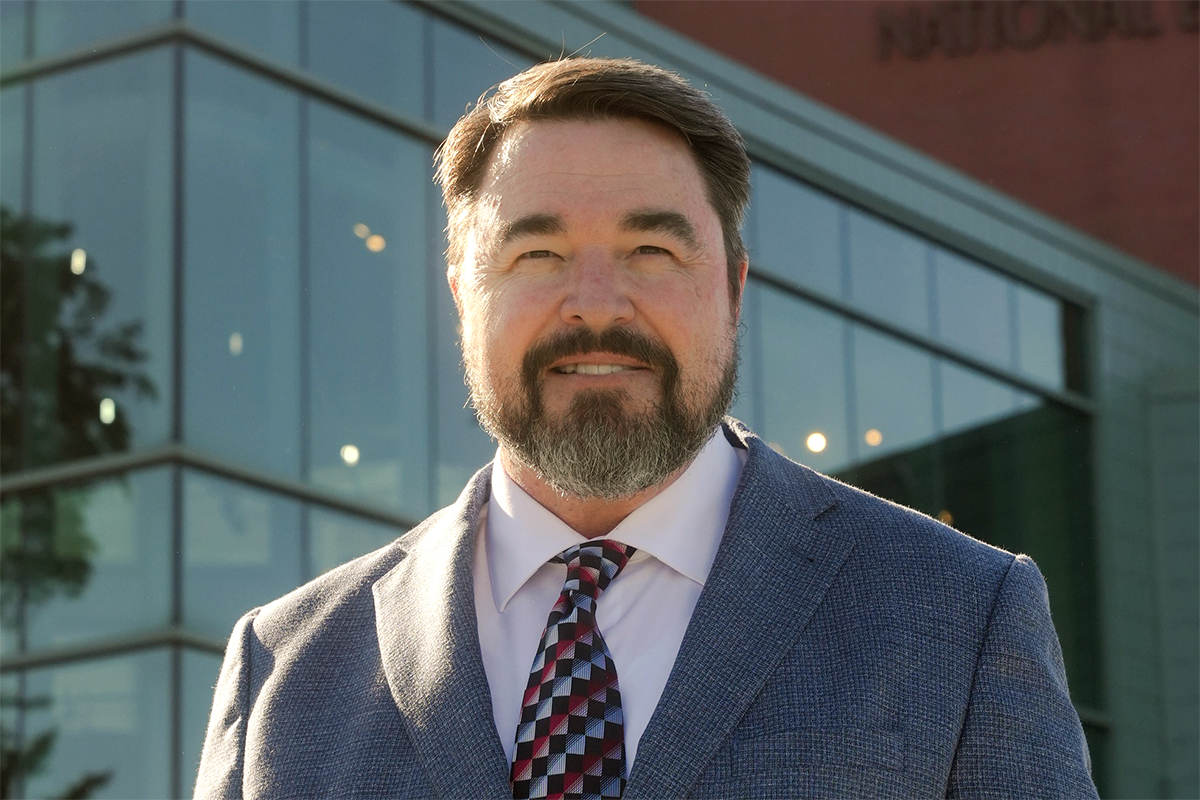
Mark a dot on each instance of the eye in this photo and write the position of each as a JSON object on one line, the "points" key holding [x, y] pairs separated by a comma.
{"points": [[651, 250], [537, 254]]}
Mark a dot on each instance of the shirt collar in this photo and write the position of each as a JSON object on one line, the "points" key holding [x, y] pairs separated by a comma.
{"points": [[681, 527]]}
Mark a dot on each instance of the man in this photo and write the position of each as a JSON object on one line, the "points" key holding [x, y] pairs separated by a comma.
{"points": [[637, 596]]}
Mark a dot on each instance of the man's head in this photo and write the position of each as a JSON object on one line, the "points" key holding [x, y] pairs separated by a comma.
{"points": [[597, 264]]}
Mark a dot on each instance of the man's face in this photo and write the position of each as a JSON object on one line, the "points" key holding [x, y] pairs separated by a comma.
{"points": [[598, 331]]}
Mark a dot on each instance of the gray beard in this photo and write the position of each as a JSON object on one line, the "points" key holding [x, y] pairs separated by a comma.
{"points": [[598, 448]]}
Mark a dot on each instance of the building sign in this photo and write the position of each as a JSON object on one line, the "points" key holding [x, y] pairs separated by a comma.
{"points": [[962, 27]]}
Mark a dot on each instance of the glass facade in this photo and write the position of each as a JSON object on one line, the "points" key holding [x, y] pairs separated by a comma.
{"points": [[238, 279]]}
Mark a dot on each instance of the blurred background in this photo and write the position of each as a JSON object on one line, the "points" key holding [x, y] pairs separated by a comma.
{"points": [[229, 357]]}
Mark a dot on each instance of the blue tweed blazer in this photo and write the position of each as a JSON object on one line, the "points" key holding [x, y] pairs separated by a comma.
{"points": [[843, 646]]}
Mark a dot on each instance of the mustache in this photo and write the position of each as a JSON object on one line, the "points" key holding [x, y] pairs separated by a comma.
{"points": [[580, 341]]}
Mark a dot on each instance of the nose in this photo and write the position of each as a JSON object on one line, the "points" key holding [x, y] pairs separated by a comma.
{"points": [[597, 292]]}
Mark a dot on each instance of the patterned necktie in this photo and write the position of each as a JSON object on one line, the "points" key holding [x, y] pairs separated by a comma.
{"points": [[571, 737]]}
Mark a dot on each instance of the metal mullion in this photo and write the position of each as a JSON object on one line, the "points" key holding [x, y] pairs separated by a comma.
{"points": [[146, 640], [183, 33], [85, 470]]}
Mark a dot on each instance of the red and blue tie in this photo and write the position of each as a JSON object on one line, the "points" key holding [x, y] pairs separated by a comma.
{"points": [[571, 737]]}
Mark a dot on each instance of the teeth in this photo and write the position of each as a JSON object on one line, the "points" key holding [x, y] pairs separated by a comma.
{"points": [[592, 369]]}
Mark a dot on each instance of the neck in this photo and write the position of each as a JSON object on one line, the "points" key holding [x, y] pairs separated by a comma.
{"points": [[590, 517]]}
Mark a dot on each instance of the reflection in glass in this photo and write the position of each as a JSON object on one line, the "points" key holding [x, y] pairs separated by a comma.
{"points": [[337, 538], [64, 25], [465, 64], [889, 273], [269, 29], [349, 40], [894, 397], [368, 340], [796, 235], [242, 548], [106, 723], [102, 177], [12, 147], [804, 392], [973, 308], [970, 399], [12, 33], [242, 272], [1040, 347], [199, 678], [893, 391], [94, 561]]}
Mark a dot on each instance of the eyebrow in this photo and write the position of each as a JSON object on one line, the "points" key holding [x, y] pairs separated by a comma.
{"points": [[671, 223], [529, 225]]}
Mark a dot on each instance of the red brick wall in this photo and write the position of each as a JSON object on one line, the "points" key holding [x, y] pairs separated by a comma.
{"points": [[1092, 116]]}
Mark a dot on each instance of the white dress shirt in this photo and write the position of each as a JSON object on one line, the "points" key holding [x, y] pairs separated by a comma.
{"points": [[642, 614]]}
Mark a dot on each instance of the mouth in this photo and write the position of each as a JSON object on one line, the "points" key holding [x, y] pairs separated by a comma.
{"points": [[592, 369]]}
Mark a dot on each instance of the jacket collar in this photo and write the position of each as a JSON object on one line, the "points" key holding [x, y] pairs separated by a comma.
{"points": [[774, 554]]}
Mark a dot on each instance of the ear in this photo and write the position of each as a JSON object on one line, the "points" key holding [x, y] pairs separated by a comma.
{"points": [[452, 272], [743, 271]]}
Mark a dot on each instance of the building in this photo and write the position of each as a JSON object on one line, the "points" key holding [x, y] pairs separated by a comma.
{"points": [[229, 357]]}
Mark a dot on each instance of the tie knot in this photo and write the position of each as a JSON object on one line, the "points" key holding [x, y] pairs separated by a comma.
{"points": [[591, 566]]}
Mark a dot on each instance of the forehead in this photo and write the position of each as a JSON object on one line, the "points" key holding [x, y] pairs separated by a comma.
{"points": [[593, 164]]}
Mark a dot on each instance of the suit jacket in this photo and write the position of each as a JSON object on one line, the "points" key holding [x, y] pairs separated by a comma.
{"points": [[842, 646]]}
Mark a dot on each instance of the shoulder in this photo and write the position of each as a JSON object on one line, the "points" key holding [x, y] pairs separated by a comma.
{"points": [[893, 549], [340, 602]]}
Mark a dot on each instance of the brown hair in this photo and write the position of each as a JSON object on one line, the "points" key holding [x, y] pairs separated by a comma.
{"points": [[600, 88]]}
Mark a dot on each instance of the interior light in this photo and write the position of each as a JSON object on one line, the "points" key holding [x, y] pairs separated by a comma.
{"points": [[361, 231], [108, 411], [816, 442], [78, 260], [873, 437], [375, 243], [235, 343], [349, 454], [945, 516]]}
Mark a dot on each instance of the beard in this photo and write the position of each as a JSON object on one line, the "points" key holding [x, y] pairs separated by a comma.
{"points": [[601, 447]]}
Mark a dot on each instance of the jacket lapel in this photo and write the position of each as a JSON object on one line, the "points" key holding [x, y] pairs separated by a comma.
{"points": [[773, 567], [429, 642]]}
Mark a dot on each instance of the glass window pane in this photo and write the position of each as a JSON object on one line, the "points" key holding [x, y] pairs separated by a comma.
{"points": [[12, 32], [12, 607], [241, 550], [270, 29], [465, 64], [894, 433], [1040, 347], [462, 446], [888, 271], [12, 148], [798, 235], [894, 394], [63, 25], [804, 382], [970, 399], [973, 309], [97, 559], [369, 352], [338, 538], [109, 723], [200, 671], [97, 312], [348, 40], [242, 276]]}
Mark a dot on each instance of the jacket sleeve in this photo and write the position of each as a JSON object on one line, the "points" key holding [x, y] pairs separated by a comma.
{"points": [[223, 759], [1021, 736]]}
